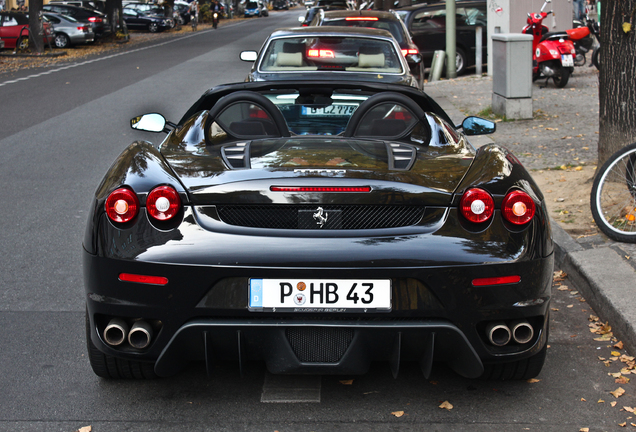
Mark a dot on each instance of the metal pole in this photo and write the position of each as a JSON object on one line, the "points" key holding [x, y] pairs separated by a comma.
{"points": [[451, 50], [478, 59]]}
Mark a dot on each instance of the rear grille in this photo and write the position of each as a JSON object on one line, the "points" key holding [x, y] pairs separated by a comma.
{"points": [[318, 344], [309, 217]]}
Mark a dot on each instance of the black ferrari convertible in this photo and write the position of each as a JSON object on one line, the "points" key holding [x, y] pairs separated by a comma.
{"points": [[317, 226]]}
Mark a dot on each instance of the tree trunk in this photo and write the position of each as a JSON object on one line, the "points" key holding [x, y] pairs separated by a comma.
{"points": [[36, 31], [114, 14], [617, 85]]}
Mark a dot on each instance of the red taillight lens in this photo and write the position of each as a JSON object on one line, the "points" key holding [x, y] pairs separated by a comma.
{"points": [[320, 189], [151, 280], [95, 19], [83, 29], [122, 205], [477, 205], [163, 203], [502, 280], [361, 18], [518, 208], [322, 53], [406, 52]]}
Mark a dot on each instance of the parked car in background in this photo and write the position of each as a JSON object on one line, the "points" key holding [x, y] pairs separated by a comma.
{"points": [[381, 20], [314, 10], [264, 8], [317, 53], [99, 5], [253, 9], [427, 25], [14, 30], [138, 20], [69, 31], [99, 21], [280, 4], [183, 9]]}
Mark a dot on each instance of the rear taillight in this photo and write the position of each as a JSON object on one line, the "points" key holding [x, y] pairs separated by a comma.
{"points": [[361, 18], [95, 19], [322, 53], [83, 29], [518, 208], [406, 52], [163, 203], [477, 205], [122, 205]]}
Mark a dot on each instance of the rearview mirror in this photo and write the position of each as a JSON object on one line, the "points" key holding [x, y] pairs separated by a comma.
{"points": [[478, 126], [248, 56], [152, 122]]}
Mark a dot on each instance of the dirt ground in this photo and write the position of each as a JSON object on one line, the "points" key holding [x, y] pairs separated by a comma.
{"points": [[567, 194]]}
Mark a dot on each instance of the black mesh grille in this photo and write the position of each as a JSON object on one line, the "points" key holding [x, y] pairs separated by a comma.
{"points": [[309, 217], [318, 344]]}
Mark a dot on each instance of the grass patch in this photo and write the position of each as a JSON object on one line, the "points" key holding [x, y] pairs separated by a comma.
{"points": [[488, 113]]}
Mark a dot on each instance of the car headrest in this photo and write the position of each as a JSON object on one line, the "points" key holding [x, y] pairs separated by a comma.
{"points": [[289, 59], [370, 60]]}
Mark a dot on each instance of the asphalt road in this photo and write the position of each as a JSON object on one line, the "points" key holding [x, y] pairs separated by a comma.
{"points": [[59, 132]]}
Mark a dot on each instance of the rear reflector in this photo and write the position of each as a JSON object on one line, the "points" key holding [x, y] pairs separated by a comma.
{"points": [[319, 189], [496, 280], [151, 280]]}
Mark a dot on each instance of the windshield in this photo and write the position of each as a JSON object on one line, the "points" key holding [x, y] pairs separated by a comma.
{"points": [[251, 5], [331, 53]]}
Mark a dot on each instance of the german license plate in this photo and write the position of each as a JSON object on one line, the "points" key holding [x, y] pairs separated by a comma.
{"points": [[320, 295], [331, 110], [567, 60]]}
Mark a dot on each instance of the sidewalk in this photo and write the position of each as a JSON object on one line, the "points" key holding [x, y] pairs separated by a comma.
{"points": [[603, 271]]}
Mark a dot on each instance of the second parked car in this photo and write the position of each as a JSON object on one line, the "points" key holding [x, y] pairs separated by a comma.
{"points": [[69, 31], [137, 20], [14, 30], [98, 20], [427, 24]]}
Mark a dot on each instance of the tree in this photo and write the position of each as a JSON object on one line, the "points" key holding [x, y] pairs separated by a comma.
{"points": [[36, 30], [617, 77]]}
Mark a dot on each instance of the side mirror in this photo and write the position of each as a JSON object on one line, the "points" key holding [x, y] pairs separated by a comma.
{"points": [[248, 56], [153, 122], [478, 126]]}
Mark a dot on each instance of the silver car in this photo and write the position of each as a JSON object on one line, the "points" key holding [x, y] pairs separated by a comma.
{"points": [[68, 30]]}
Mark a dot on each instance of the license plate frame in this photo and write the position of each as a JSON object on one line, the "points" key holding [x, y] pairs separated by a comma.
{"points": [[319, 295], [567, 60]]}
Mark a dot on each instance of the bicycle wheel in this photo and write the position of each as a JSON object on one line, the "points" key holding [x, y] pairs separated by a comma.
{"points": [[613, 198]]}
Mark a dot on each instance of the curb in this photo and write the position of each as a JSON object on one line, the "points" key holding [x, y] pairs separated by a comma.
{"points": [[608, 289]]}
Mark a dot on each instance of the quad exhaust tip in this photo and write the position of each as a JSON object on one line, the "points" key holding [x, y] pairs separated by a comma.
{"points": [[500, 334], [115, 332]]}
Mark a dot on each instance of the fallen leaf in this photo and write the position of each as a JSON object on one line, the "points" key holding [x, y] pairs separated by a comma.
{"points": [[533, 380], [346, 382], [618, 392], [628, 409], [613, 403], [85, 429], [600, 401], [563, 288], [398, 413], [570, 306], [578, 168], [584, 430], [621, 380], [446, 405], [583, 400], [623, 424], [554, 309], [616, 353]]}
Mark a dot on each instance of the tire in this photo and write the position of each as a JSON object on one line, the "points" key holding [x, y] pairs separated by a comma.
{"points": [[153, 27], [580, 59], [562, 77], [596, 57], [109, 367], [613, 199], [22, 44], [62, 41], [518, 370], [460, 61]]}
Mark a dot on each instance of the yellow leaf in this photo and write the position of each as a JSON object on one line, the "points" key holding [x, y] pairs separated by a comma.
{"points": [[584, 430], [600, 401], [621, 380], [627, 27], [533, 380], [346, 382], [616, 353], [613, 403], [618, 392], [85, 429], [578, 168], [446, 405], [628, 409], [398, 413], [583, 400], [623, 424]]}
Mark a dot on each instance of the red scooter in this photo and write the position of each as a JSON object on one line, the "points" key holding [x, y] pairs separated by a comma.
{"points": [[553, 52]]}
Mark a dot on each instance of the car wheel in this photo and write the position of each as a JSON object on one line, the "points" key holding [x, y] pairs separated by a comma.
{"points": [[596, 57], [23, 43], [460, 61], [153, 27], [62, 41], [106, 366], [519, 370]]}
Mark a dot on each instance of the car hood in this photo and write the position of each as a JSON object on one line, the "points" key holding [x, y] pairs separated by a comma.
{"points": [[247, 171]]}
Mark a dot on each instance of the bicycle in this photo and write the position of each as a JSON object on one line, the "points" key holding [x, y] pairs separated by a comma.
{"points": [[613, 198], [194, 22]]}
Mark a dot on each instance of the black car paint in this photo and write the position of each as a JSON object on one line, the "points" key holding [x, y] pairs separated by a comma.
{"points": [[101, 27], [437, 313]]}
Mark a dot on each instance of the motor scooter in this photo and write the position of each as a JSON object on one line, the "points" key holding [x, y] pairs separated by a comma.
{"points": [[215, 19], [553, 52], [581, 36]]}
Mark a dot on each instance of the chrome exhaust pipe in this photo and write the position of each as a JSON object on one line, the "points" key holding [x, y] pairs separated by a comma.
{"points": [[522, 331], [498, 333], [140, 334], [115, 332]]}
